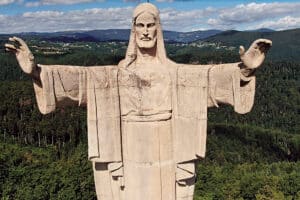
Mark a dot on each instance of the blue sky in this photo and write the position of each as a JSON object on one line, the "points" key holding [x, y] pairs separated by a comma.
{"points": [[179, 15]]}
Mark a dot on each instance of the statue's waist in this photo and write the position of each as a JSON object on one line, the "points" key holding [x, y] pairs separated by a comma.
{"points": [[135, 117]]}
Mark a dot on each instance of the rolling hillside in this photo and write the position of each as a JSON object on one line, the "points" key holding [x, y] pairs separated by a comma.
{"points": [[113, 35], [285, 43], [252, 156]]}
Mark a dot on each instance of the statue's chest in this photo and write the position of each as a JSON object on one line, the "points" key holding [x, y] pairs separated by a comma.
{"points": [[144, 91]]}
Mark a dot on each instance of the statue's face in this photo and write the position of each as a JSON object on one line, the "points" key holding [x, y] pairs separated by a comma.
{"points": [[146, 30]]}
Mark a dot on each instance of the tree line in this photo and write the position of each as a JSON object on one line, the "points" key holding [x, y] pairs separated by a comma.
{"points": [[253, 156]]}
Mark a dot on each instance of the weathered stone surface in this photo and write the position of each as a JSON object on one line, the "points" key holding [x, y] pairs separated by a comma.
{"points": [[147, 117]]}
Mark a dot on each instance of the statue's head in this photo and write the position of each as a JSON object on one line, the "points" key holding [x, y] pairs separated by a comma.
{"points": [[146, 33], [145, 23]]}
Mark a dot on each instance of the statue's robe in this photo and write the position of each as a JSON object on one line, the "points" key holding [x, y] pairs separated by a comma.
{"points": [[194, 89]]}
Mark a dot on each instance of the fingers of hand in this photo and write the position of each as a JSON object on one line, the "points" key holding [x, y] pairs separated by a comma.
{"points": [[263, 44], [19, 40], [31, 57], [242, 50], [264, 47], [264, 41], [10, 47], [20, 43], [11, 39]]}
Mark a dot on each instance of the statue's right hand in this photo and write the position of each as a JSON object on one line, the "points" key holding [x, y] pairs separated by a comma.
{"points": [[23, 55]]}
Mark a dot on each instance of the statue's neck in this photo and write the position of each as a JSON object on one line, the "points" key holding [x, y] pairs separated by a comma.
{"points": [[146, 56]]}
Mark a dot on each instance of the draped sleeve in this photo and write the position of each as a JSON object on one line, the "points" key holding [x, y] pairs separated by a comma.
{"points": [[94, 87], [228, 85], [60, 86], [196, 88]]}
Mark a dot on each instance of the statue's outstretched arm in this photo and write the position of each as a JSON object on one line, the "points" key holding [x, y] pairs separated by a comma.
{"points": [[24, 56], [254, 56], [61, 85], [54, 85], [234, 83]]}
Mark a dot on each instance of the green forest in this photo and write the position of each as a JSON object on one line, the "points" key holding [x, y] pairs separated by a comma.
{"points": [[252, 156]]}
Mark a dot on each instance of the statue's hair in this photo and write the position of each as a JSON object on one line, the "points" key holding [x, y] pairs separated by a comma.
{"points": [[145, 8], [131, 53]]}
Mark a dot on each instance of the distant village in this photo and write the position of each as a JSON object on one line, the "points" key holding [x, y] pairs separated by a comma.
{"points": [[61, 48]]}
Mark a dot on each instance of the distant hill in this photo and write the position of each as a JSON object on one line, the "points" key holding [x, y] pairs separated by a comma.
{"points": [[115, 35], [286, 44], [262, 30], [185, 37]]}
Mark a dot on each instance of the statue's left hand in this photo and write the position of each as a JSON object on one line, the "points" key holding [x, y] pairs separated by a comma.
{"points": [[256, 54], [23, 54]]}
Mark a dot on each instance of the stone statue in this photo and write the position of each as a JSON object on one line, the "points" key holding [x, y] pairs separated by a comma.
{"points": [[147, 117]]}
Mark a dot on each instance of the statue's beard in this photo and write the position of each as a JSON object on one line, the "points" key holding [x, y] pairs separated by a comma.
{"points": [[146, 43]]}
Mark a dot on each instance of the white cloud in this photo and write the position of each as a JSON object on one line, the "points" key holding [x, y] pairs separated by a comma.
{"points": [[42, 14], [287, 22], [164, 0], [253, 12], [179, 20], [50, 21], [273, 15], [33, 4], [53, 2], [160, 1], [132, 1], [2, 17], [96, 18], [49, 2], [237, 17], [5, 2]]}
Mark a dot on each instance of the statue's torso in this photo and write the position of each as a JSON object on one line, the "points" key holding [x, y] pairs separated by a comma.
{"points": [[146, 103], [145, 92]]}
